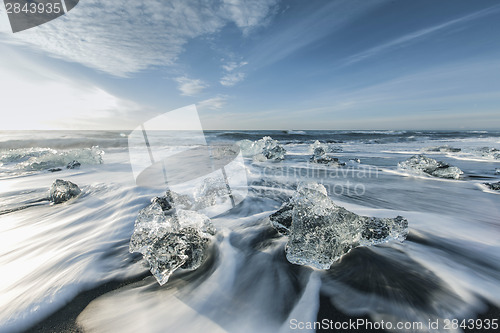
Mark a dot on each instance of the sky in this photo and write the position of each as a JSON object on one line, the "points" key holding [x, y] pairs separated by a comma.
{"points": [[256, 64]]}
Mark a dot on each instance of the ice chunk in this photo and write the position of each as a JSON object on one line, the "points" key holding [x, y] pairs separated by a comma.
{"points": [[263, 149], [497, 171], [489, 152], [320, 157], [328, 148], [443, 149], [493, 186], [321, 232], [420, 164], [73, 165], [35, 159], [171, 238], [63, 190], [213, 191]]}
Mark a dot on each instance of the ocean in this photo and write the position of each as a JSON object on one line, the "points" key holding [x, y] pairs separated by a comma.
{"points": [[68, 266]]}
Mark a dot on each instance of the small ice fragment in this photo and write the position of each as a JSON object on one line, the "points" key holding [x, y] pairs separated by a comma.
{"points": [[328, 148], [489, 152], [54, 170], [320, 157], [263, 149], [73, 165], [171, 238], [493, 186], [443, 149], [62, 190], [321, 232], [420, 164], [497, 171]]}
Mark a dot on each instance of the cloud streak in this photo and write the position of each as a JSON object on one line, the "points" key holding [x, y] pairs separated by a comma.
{"points": [[417, 35]]}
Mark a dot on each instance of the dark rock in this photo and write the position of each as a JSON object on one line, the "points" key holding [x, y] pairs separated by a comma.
{"points": [[73, 165], [54, 170]]}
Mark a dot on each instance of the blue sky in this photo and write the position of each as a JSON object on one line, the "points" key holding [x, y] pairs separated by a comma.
{"points": [[257, 64]]}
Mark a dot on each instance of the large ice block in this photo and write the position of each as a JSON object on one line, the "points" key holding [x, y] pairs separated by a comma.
{"points": [[421, 164], [171, 238], [321, 232], [263, 149]]}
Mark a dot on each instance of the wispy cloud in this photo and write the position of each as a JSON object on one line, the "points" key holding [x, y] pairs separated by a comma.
{"points": [[232, 74], [248, 14], [122, 39], [190, 87], [231, 79], [232, 65], [418, 35], [214, 103]]}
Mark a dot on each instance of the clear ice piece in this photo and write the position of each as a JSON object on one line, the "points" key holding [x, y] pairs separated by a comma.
{"points": [[320, 157], [213, 191], [263, 149], [63, 190], [421, 164], [328, 148], [321, 232], [171, 238]]}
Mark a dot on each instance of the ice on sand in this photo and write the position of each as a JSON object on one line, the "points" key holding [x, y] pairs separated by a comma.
{"points": [[421, 164], [63, 190], [320, 157], [171, 238], [321, 232], [263, 149]]}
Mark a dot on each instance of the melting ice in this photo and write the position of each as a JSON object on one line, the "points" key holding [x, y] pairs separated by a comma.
{"points": [[63, 190], [171, 238], [263, 149], [420, 164], [321, 232]]}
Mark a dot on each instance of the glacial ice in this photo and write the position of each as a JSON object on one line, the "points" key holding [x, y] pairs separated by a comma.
{"points": [[489, 152], [420, 164], [493, 186], [497, 171], [63, 190], [321, 232], [263, 149], [328, 148], [171, 238], [320, 157], [443, 149]]}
